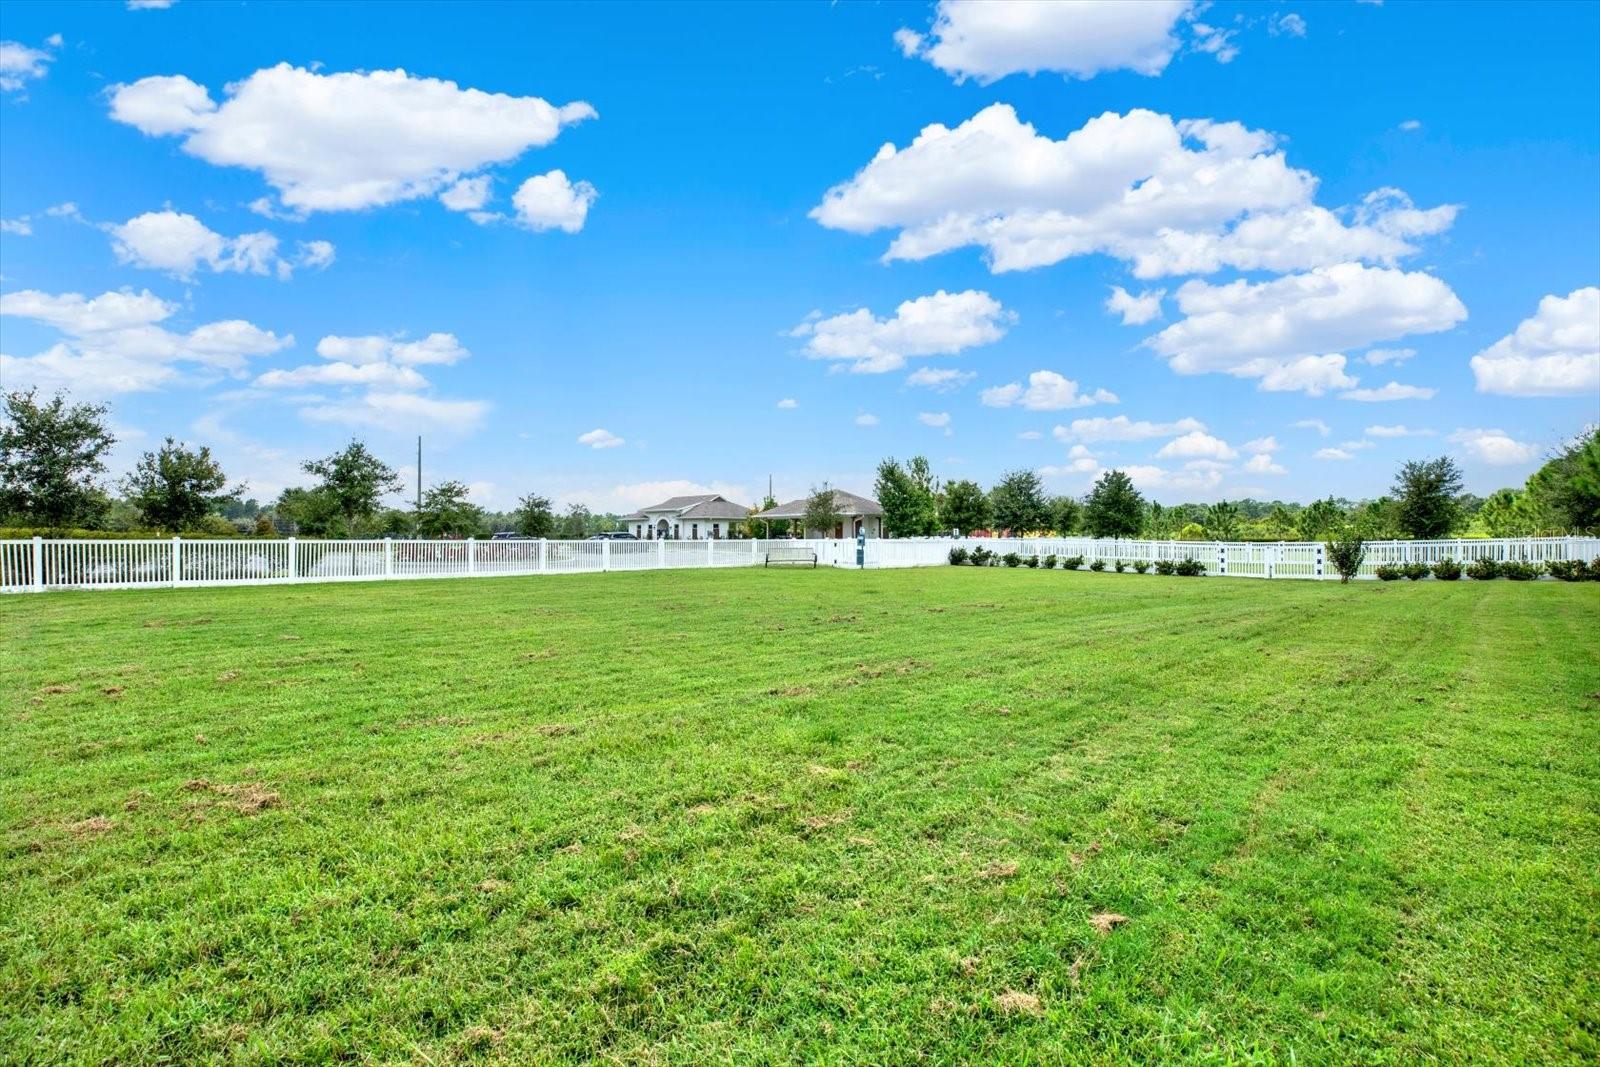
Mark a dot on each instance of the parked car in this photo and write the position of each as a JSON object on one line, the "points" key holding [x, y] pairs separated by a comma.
{"points": [[614, 535], [508, 535]]}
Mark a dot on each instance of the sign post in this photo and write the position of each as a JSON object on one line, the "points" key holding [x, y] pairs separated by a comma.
{"points": [[861, 547]]}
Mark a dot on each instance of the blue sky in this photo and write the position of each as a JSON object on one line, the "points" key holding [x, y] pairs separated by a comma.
{"points": [[612, 252]]}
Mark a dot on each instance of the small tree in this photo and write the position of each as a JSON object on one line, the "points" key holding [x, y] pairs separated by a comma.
{"points": [[1345, 552], [906, 494], [309, 512], [1425, 494], [1066, 516], [1019, 504], [446, 511], [534, 517], [354, 480], [1114, 507], [966, 507], [1319, 519], [176, 487], [1222, 520], [575, 523], [822, 512], [51, 456]]}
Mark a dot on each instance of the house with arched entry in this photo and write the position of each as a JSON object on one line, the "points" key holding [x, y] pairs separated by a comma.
{"points": [[856, 513], [687, 518]]}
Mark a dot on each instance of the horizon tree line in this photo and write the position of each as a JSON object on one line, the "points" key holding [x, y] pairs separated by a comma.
{"points": [[53, 464]]}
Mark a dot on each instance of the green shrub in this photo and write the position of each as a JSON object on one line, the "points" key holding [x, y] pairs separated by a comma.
{"points": [[1346, 552], [1097, 565], [1519, 571], [1166, 566], [1031, 561], [1447, 570], [958, 556], [1071, 563], [1389, 572], [1050, 561], [1012, 559], [1121, 566], [1190, 568], [1482, 569], [1415, 572], [981, 556], [1141, 565]]}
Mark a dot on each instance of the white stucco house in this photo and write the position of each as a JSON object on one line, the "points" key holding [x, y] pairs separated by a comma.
{"points": [[857, 512], [687, 518]]}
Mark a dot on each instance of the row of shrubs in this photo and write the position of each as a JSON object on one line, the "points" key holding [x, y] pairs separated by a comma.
{"points": [[1482, 570], [982, 557]]}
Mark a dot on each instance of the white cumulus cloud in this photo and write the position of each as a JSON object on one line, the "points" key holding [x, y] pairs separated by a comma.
{"points": [[940, 324], [181, 244], [1046, 391], [940, 379], [1197, 444], [1167, 196], [1122, 428], [1554, 353], [986, 40], [599, 438], [20, 64], [1391, 391], [1135, 310], [551, 202], [1495, 447], [345, 141]]}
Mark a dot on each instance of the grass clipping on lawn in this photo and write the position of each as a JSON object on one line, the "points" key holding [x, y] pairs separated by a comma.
{"points": [[760, 817]]}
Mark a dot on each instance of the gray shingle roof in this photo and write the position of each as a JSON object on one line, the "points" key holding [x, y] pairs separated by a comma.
{"points": [[704, 506], [845, 503]]}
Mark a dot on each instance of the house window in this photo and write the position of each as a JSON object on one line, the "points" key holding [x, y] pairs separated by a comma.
{"points": [[716, 530], [674, 531], [694, 531]]}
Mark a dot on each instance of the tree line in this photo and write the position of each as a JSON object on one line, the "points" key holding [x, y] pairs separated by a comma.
{"points": [[52, 478], [1426, 501], [53, 466]]}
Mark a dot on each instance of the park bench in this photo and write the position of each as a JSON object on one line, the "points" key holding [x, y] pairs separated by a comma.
{"points": [[791, 554]]}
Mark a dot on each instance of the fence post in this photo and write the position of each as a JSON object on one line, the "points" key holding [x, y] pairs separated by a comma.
{"points": [[661, 553], [711, 552], [177, 560], [544, 545], [1319, 559], [1222, 558], [294, 559], [38, 564], [388, 557], [605, 555], [472, 555], [755, 553]]}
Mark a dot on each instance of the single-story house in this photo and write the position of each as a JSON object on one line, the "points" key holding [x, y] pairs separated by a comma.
{"points": [[858, 513], [688, 518]]}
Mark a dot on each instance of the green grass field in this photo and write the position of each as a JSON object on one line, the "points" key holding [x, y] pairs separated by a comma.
{"points": [[744, 817]]}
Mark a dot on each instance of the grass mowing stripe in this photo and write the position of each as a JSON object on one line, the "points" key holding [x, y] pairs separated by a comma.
{"points": [[744, 817]]}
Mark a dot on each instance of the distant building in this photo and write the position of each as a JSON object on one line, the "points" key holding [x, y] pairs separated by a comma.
{"points": [[687, 518], [858, 513]]}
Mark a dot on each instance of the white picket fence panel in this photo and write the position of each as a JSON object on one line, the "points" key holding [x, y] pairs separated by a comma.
{"points": [[41, 564]]}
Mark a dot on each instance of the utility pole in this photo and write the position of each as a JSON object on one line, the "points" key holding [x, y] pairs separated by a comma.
{"points": [[418, 530]]}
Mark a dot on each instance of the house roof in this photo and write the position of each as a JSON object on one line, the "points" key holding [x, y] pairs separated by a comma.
{"points": [[845, 503], [705, 506]]}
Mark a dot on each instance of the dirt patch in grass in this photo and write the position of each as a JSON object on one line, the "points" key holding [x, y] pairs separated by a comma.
{"points": [[999, 870], [792, 691], [822, 822], [246, 798], [555, 729], [1016, 1002], [227, 676], [1106, 921], [94, 826], [113, 690], [58, 689]]}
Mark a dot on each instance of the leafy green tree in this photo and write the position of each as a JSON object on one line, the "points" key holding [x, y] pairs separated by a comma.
{"points": [[1425, 492], [1159, 522], [768, 527], [906, 494], [1019, 504], [822, 512], [576, 523], [447, 512], [51, 457], [175, 487], [534, 517], [1376, 520], [1508, 513], [1114, 507], [310, 512], [355, 480], [1565, 492], [1319, 519], [263, 527], [1346, 551], [1278, 524], [966, 507], [1066, 516], [1222, 521]]}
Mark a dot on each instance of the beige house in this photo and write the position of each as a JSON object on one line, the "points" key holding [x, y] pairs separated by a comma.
{"points": [[687, 518], [857, 512]]}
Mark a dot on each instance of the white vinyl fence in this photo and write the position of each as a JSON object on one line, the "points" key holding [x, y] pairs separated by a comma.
{"points": [[44, 563]]}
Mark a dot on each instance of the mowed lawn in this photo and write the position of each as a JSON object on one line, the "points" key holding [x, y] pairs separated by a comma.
{"points": [[750, 817]]}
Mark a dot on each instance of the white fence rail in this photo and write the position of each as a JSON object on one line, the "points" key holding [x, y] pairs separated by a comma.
{"points": [[43, 563]]}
